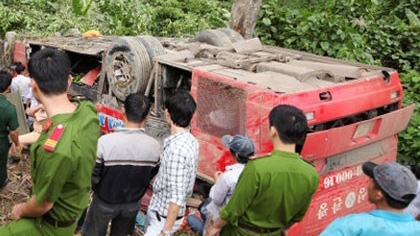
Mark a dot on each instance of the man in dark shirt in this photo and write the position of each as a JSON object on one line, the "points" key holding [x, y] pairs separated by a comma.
{"points": [[125, 162], [8, 125]]}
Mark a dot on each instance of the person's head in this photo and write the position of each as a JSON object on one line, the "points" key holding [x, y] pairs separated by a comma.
{"points": [[180, 108], [204, 190], [5, 81], [50, 69], [241, 147], [391, 183], [289, 123], [416, 171], [19, 67], [136, 107]]}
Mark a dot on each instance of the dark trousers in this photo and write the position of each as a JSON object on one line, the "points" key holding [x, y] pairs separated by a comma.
{"points": [[122, 217], [4, 152], [81, 220]]}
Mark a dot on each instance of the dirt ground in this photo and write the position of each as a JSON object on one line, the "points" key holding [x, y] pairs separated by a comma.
{"points": [[18, 188]]}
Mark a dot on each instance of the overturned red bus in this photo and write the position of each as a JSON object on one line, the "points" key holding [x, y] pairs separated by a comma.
{"points": [[354, 110]]}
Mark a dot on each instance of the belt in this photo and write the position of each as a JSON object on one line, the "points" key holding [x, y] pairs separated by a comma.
{"points": [[57, 223], [258, 230], [159, 216]]}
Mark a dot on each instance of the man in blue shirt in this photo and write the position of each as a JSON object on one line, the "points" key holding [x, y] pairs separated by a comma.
{"points": [[391, 188]]}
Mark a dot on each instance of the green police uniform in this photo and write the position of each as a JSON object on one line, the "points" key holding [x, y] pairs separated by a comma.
{"points": [[63, 159], [8, 122], [272, 192]]}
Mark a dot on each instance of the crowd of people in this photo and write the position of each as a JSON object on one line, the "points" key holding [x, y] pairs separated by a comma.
{"points": [[258, 195]]}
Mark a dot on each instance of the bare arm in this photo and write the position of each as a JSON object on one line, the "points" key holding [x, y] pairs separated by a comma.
{"points": [[28, 102], [31, 208], [216, 227], [30, 111], [14, 135], [217, 176], [178, 171], [173, 212]]}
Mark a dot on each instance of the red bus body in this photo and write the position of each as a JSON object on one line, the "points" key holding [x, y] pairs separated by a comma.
{"points": [[350, 121]]}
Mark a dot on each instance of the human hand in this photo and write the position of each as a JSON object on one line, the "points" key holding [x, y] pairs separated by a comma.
{"points": [[217, 175], [164, 233], [213, 231], [30, 111], [17, 211], [18, 149]]}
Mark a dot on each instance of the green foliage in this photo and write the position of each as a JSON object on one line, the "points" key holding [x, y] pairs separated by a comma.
{"points": [[382, 32], [396, 45], [58, 15], [188, 17], [162, 17], [80, 7], [114, 17], [366, 31], [409, 145], [122, 17], [413, 19], [320, 32]]}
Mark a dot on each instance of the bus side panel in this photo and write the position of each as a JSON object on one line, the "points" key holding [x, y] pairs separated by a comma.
{"points": [[340, 193]]}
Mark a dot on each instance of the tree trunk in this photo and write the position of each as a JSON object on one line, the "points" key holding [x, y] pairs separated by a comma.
{"points": [[244, 16]]}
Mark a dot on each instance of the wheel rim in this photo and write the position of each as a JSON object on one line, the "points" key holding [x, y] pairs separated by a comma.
{"points": [[122, 71], [128, 67]]}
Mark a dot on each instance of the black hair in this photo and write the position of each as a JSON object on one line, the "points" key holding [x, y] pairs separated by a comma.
{"points": [[391, 201], [290, 123], [136, 106], [181, 107], [416, 171], [50, 68], [19, 67], [5, 81], [203, 189], [239, 158]]}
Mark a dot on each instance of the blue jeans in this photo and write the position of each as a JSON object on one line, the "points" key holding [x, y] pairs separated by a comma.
{"points": [[195, 223]]}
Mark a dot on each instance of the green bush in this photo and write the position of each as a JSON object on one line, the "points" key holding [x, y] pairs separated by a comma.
{"points": [[409, 145], [162, 17], [320, 32], [57, 16], [171, 18]]}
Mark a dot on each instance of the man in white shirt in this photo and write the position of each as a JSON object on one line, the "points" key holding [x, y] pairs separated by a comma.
{"points": [[22, 84], [241, 149], [175, 180]]}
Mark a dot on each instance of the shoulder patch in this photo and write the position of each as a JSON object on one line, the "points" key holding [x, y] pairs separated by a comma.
{"points": [[54, 137]]}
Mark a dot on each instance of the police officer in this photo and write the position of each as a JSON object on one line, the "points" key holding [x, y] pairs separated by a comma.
{"points": [[63, 157], [8, 125]]}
